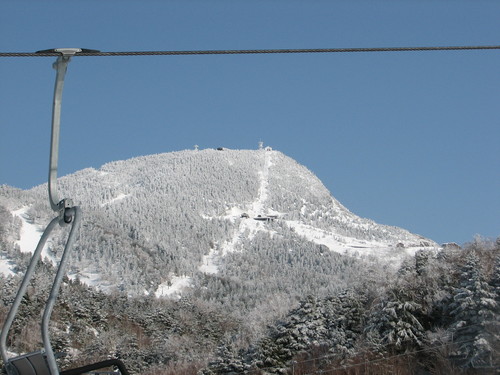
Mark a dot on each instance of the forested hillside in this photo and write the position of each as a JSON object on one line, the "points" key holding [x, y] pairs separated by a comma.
{"points": [[438, 314], [149, 219], [240, 261]]}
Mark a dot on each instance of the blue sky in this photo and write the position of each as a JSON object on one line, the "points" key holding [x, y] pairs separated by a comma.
{"points": [[407, 139]]}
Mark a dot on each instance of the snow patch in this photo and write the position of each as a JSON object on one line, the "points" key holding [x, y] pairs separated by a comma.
{"points": [[30, 233], [209, 263], [30, 236], [355, 247], [173, 288], [6, 266], [234, 212], [91, 278], [247, 226], [116, 199], [87, 278]]}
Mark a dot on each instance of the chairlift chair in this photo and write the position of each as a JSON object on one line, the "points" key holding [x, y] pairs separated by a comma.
{"points": [[43, 362]]}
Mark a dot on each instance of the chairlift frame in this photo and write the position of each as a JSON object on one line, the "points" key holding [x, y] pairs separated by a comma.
{"points": [[43, 362]]}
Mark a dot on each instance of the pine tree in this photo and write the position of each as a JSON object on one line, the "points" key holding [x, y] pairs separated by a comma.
{"points": [[473, 308], [495, 279], [393, 324], [226, 362]]}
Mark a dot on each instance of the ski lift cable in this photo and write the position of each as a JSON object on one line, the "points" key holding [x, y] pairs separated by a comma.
{"points": [[365, 362], [97, 53], [384, 359], [468, 326]]}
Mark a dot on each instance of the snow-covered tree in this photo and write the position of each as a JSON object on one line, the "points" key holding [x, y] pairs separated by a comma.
{"points": [[393, 323], [473, 308]]}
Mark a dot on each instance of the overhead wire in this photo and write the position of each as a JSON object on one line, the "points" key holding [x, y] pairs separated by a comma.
{"points": [[95, 53], [364, 352], [333, 355], [384, 359]]}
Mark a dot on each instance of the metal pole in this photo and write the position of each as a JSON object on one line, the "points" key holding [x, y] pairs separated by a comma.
{"points": [[61, 66], [22, 288], [74, 213]]}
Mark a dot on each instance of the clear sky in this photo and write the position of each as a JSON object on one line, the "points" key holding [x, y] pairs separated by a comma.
{"points": [[409, 139]]}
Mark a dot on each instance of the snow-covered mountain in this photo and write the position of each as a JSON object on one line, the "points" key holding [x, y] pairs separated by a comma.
{"points": [[170, 223]]}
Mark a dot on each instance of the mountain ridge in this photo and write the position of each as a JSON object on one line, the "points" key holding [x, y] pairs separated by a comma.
{"points": [[155, 221]]}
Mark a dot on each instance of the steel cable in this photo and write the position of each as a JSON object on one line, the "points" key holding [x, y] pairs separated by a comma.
{"points": [[48, 53]]}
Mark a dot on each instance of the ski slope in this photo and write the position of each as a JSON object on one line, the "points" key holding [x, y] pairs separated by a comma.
{"points": [[249, 225], [30, 235]]}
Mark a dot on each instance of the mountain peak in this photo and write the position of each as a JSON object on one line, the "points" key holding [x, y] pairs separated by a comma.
{"points": [[156, 223]]}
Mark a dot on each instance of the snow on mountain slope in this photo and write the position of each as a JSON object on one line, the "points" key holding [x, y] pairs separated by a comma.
{"points": [[254, 209], [152, 224], [173, 287], [262, 211], [30, 235], [6, 266]]}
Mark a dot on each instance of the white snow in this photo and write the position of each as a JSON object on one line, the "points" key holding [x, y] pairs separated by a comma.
{"points": [[258, 205], [173, 288], [30, 235], [352, 246], [91, 278], [208, 264], [87, 278], [248, 225], [6, 267], [116, 199], [335, 242]]}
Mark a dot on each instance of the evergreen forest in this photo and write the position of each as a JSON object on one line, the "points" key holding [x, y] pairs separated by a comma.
{"points": [[277, 276]]}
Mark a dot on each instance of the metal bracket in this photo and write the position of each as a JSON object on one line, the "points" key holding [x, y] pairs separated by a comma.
{"points": [[68, 51], [65, 212]]}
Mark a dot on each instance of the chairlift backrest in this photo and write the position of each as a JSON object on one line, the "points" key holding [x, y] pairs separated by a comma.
{"points": [[29, 364]]}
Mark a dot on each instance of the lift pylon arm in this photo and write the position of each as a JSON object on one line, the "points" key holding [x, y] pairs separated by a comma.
{"points": [[61, 66]]}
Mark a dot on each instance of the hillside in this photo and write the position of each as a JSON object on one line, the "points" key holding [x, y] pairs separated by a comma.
{"points": [[157, 221], [238, 260]]}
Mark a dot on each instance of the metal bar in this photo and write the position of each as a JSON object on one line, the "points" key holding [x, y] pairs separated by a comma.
{"points": [[97, 366], [75, 215], [22, 289], [61, 65]]}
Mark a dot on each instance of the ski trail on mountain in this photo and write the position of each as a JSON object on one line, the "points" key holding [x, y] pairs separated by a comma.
{"points": [[30, 235], [118, 198], [247, 226], [258, 206]]}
